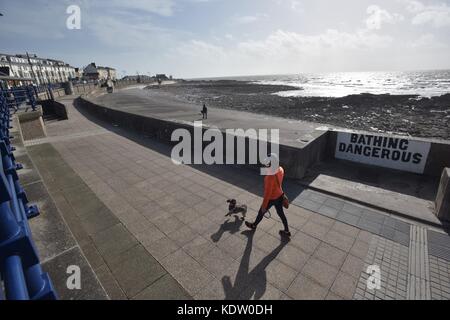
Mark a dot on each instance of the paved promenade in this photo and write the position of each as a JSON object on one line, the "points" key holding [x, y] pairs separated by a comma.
{"points": [[151, 229]]}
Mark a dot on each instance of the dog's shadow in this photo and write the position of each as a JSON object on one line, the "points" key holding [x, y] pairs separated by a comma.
{"points": [[231, 226]]}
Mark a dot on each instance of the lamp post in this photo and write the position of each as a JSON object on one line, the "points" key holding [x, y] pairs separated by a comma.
{"points": [[32, 71]]}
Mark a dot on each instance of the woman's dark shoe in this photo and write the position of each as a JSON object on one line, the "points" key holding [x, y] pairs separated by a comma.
{"points": [[250, 225], [285, 233]]}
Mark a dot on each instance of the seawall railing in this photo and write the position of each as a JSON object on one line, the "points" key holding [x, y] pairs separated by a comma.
{"points": [[15, 97], [21, 274]]}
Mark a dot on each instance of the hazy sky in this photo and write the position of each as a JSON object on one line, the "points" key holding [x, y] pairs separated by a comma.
{"points": [[199, 38]]}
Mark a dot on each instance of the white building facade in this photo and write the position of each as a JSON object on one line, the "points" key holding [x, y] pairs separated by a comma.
{"points": [[94, 72], [42, 70]]}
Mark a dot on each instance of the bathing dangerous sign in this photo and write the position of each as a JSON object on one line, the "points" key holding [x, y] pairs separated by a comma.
{"points": [[384, 151]]}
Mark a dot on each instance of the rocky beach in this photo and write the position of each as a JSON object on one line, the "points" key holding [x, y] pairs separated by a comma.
{"points": [[401, 114]]}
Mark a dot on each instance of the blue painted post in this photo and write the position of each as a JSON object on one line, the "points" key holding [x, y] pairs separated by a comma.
{"points": [[35, 282], [14, 279], [8, 226]]}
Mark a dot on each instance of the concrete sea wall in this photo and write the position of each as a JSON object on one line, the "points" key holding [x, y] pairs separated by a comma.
{"points": [[84, 88], [443, 196]]}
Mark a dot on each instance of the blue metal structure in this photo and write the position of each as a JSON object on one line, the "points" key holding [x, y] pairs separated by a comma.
{"points": [[21, 274], [17, 96]]}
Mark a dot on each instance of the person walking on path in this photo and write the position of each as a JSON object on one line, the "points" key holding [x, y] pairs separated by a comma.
{"points": [[205, 112], [273, 196]]}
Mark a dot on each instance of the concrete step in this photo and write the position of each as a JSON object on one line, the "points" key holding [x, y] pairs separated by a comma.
{"points": [[395, 192], [50, 118]]}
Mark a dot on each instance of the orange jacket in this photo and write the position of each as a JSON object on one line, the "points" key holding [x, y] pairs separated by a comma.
{"points": [[272, 189]]}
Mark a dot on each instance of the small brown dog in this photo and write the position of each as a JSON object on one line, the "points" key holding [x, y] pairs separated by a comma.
{"points": [[234, 208]]}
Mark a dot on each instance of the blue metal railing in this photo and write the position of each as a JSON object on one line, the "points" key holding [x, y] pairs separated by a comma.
{"points": [[17, 96], [21, 274]]}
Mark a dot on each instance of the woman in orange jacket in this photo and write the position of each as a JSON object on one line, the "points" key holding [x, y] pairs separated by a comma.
{"points": [[273, 196]]}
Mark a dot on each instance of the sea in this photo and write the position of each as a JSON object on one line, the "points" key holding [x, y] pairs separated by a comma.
{"points": [[339, 84]]}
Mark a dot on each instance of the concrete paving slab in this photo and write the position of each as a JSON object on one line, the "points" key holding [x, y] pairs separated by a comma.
{"points": [[315, 230], [348, 218], [293, 257], [136, 270], [344, 286], [188, 272], [162, 248], [51, 235], [114, 241], [213, 291], [57, 269], [330, 255], [305, 289], [110, 284], [280, 275], [165, 288], [92, 254], [353, 266], [216, 261], [304, 242], [321, 272], [261, 291]]}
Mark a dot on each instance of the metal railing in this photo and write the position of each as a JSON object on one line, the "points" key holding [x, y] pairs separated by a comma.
{"points": [[19, 96], [21, 275]]}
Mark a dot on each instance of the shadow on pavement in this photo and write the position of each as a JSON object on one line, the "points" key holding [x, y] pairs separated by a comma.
{"points": [[416, 185], [250, 284], [228, 226]]}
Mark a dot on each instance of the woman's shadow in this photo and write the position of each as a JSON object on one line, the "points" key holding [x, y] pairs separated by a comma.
{"points": [[248, 283], [231, 226]]}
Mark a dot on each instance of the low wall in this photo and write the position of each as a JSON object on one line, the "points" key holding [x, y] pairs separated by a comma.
{"points": [[61, 92], [294, 160], [83, 88], [86, 88], [32, 125], [443, 196], [438, 159], [52, 107], [43, 96]]}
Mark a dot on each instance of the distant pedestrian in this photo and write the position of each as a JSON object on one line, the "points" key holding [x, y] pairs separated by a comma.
{"points": [[273, 196], [205, 112]]}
